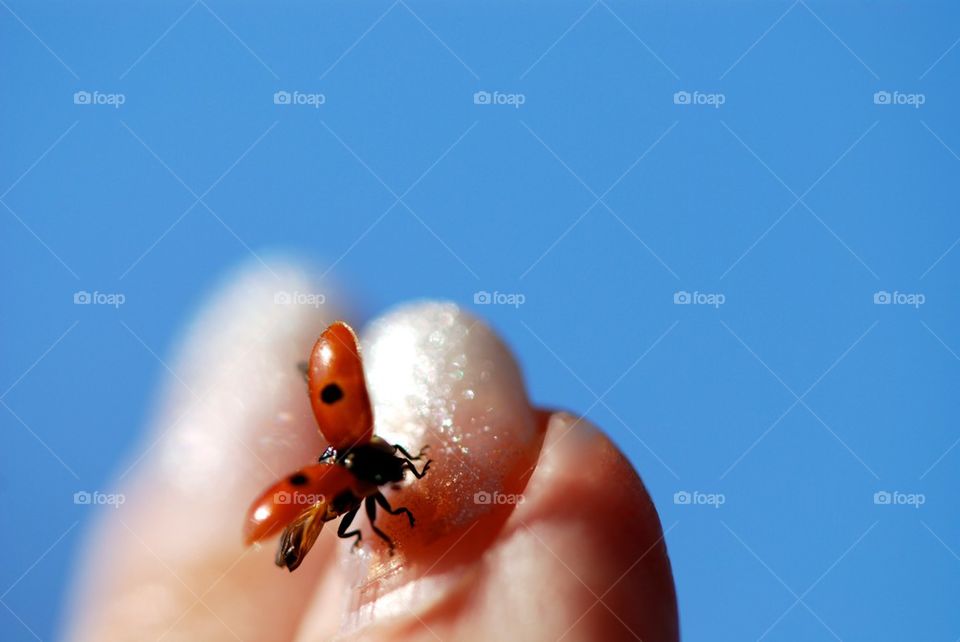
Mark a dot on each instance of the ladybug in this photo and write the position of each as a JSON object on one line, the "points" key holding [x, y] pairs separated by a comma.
{"points": [[350, 471]]}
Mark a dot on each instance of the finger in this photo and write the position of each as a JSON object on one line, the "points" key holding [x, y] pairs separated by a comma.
{"points": [[581, 556], [588, 542], [440, 378], [169, 563]]}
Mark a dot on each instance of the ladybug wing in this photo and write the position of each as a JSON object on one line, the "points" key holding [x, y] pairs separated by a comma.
{"points": [[298, 537], [338, 390], [309, 490]]}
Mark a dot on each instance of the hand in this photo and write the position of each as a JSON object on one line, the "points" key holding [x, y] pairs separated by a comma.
{"points": [[530, 525]]}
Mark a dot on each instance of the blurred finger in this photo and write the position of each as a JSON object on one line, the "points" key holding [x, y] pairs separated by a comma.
{"points": [[169, 564]]}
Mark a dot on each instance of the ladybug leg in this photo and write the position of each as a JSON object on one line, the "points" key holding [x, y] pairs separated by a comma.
{"points": [[303, 367], [342, 531], [370, 504], [385, 505], [408, 456], [408, 465]]}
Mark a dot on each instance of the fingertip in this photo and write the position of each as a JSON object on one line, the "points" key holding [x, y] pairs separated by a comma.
{"points": [[587, 506], [437, 377]]}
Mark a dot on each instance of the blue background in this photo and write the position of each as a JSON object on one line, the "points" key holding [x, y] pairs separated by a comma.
{"points": [[711, 207]]}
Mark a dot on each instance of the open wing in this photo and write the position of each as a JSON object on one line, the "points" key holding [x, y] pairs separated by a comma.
{"points": [[298, 537], [289, 501], [338, 390]]}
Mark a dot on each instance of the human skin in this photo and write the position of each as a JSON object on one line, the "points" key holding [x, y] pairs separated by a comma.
{"points": [[531, 525]]}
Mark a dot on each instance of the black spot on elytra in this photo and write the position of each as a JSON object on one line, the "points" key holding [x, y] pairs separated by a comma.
{"points": [[331, 393], [298, 479]]}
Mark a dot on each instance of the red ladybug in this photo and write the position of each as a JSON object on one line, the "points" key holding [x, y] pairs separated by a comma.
{"points": [[351, 469]]}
